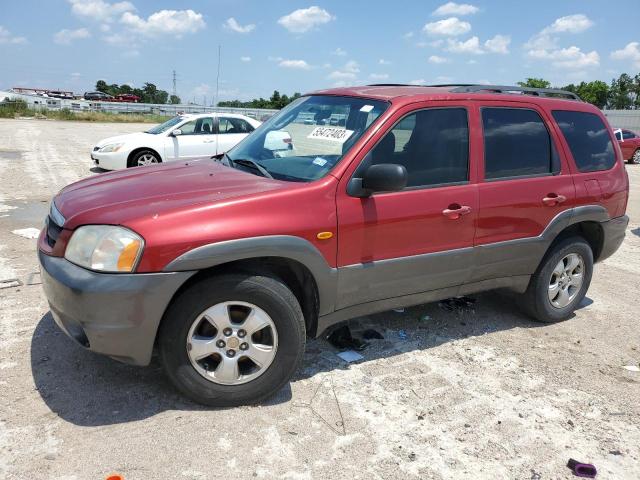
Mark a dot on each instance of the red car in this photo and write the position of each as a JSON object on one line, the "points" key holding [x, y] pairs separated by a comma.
{"points": [[226, 265], [127, 98], [629, 144]]}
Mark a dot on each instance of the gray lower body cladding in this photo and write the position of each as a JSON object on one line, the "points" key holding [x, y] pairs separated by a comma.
{"points": [[113, 314]]}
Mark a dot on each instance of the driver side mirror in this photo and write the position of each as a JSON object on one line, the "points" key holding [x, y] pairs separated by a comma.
{"points": [[384, 177], [176, 132]]}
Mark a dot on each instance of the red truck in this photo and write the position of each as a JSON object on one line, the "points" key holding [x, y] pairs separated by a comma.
{"points": [[226, 265]]}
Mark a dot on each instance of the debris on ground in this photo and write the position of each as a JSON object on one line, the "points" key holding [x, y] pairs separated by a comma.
{"points": [[341, 338], [33, 279], [398, 310], [425, 318], [584, 470], [372, 334], [350, 356], [10, 283], [632, 368], [457, 303], [30, 232]]}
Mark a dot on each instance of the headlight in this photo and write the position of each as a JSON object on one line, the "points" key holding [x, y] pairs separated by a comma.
{"points": [[112, 147], [106, 248]]}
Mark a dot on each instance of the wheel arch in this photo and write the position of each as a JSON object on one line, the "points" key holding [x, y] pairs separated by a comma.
{"points": [[293, 260], [140, 149]]}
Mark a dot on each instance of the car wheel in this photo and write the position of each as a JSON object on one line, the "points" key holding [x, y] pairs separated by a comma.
{"points": [[232, 340], [142, 158], [561, 281], [636, 157]]}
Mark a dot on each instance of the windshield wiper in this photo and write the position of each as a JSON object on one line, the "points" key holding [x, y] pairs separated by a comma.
{"points": [[245, 162]]}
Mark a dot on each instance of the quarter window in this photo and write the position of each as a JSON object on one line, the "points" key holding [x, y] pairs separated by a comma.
{"points": [[588, 140], [432, 144], [516, 144]]}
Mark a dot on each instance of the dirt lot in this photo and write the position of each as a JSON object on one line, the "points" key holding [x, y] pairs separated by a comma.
{"points": [[477, 392]]}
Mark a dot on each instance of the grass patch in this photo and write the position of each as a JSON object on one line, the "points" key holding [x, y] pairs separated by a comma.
{"points": [[13, 109]]}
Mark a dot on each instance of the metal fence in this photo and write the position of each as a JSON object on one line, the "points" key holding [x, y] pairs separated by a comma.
{"points": [[38, 102]]}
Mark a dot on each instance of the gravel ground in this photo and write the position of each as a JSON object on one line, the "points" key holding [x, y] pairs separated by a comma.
{"points": [[477, 392]]}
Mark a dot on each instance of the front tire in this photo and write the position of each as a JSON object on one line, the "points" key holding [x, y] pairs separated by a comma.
{"points": [[635, 159], [143, 158], [560, 282], [232, 340]]}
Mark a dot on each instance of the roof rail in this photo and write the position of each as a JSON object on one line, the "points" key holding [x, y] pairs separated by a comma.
{"points": [[539, 92]]}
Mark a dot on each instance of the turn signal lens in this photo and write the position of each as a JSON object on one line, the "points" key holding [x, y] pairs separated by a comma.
{"points": [[128, 257]]}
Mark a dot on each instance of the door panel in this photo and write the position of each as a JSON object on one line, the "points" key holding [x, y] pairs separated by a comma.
{"points": [[400, 243], [518, 209], [197, 140]]}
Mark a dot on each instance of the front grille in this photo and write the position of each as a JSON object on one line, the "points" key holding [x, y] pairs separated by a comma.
{"points": [[53, 231]]}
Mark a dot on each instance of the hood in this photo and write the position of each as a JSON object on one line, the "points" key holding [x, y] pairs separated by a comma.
{"points": [[129, 137], [119, 197]]}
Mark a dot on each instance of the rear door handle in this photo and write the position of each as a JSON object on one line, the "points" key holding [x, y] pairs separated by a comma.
{"points": [[553, 199], [455, 211]]}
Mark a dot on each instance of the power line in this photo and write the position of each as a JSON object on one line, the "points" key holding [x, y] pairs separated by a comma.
{"points": [[215, 99], [175, 90]]}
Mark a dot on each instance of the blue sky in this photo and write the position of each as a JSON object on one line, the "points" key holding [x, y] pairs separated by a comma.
{"points": [[302, 46]]}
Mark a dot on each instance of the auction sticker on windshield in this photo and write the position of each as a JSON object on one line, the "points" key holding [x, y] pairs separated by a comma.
{"points": [[332, 134]]}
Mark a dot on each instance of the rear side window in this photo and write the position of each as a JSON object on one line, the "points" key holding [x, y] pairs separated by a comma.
{"points": [[516, 144], [588, 139]]}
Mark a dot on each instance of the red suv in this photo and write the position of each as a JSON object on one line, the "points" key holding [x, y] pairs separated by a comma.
{"points": [[629, 144], [421, 193]]}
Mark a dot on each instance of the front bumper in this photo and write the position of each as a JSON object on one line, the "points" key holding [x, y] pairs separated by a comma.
{"points": [[614, 231], [112, 314], [110, 160]]}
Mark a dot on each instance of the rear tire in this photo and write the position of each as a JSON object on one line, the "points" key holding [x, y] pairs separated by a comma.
{"points": [[142, 158], [560, 282], [200, 379]]}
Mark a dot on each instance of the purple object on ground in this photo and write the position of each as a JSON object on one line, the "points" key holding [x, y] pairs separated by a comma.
{"points": [[585, 470]]}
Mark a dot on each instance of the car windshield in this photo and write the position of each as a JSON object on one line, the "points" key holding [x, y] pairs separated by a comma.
{"points": [[304, 141], [163, 127]]}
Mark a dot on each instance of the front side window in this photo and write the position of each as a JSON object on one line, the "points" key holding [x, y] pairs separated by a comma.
{"points": [[200, 126], [588, 140], [306, 139], [432, 144], [516, 144], [628, 135]]}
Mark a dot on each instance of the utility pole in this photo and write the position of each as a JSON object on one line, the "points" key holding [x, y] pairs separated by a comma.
{"points": [[215, 99], [175, 90]]}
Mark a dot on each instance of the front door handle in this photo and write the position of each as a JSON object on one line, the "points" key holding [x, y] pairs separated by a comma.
{"points": [[553, 199], [455, 211]]}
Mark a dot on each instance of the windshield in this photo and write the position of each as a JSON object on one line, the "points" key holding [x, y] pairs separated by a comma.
{"points": [[308, 138], [163, 127]]}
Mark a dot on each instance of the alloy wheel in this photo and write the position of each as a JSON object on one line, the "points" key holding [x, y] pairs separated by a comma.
{"points": [[566, 280], [147, 159], [232, 343]]}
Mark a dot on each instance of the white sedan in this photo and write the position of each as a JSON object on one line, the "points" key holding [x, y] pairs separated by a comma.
{"points": [[183, 137]]}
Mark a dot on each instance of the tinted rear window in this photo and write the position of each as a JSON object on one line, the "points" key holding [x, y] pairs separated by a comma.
{"points": [[516, 143], [588, 139]]}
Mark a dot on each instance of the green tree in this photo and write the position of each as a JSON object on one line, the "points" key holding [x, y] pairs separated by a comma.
{"points": [[174, 99], [596, 92], [622, 89], [101, 86], [535, 83]]}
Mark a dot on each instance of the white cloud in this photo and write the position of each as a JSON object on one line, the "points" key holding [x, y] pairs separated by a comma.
{"points": [[245, 59], [453, 8], [498, 44], [379, 76], [449, 26], [99, 9], [66, 37], [339, 52], [165, 22], [471, 46], [7, 39], [570, 58], [570, 24], [305, 19], [382, 61], [119, 39], [437, 60], [349, 71], [295, 64], [233, 25], [630, 52], [419, 81], [408, 35]]}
